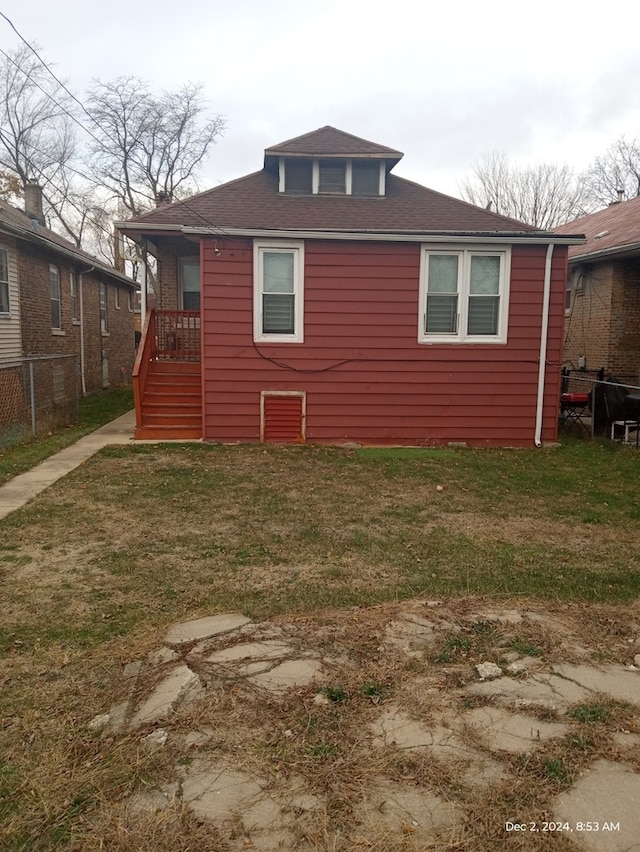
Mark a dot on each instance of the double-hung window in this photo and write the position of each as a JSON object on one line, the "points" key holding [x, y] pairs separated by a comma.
{"points": [[190, 283], [278, 291], [104, 310], [4, 281], [464, 295], [73, 289], [56, 305]]}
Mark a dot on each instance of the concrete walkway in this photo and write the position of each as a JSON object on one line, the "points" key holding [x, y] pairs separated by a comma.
{"points": [[24, 487]]}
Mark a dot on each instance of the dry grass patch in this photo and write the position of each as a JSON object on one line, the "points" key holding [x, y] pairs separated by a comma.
{"points": [[329, 546]]}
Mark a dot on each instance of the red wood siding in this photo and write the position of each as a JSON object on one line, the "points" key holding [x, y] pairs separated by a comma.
{"points": [[365, 376]]}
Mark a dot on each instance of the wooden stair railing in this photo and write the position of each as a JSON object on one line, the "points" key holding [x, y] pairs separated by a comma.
{"points": [[146, 354]]}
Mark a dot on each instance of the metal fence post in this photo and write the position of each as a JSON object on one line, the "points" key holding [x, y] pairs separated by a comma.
{"points": [[32, 388]]}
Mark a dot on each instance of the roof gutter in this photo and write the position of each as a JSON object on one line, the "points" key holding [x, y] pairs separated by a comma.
{"points": [[535, 238], [32, 236], [630, 248], [542, 367]]}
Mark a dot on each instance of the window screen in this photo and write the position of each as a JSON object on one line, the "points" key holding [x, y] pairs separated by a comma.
{"points": [[365, 177]]}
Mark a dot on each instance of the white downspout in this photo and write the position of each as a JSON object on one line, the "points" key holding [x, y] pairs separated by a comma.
{"points": [[543, 343]]}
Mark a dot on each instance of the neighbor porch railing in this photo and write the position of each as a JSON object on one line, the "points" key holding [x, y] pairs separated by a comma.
{"points": [[167, 336]]}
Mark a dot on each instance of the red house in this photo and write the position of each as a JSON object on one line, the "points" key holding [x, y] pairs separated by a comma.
{"points": [[325, 299]]}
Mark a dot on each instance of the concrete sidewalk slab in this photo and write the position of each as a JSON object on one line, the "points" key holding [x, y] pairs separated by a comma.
{"points": [[18, 491]]}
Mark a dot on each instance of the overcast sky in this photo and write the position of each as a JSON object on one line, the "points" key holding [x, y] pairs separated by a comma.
{"points": [[443, 82]]}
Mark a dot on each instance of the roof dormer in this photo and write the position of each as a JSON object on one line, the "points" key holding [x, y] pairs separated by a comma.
{"points": [[331, 162]]}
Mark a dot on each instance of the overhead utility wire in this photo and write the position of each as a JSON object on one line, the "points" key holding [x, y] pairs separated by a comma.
{"points": [[204, 219], [57, 79]]}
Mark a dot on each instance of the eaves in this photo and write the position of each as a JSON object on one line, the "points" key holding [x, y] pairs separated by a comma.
{"points": [[77, 257], [629, 250], [511, 238]]}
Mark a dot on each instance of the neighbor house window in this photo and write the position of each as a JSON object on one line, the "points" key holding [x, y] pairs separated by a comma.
{"points": [[190, 283], [104, 314], [278, 299], [116, 292], [54, 289], [464, 295], [4, 281], [130, 300], [73, 288]]}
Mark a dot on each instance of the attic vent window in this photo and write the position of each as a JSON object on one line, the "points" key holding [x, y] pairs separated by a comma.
{"points": [[365, 177], [298, 176], [601, 235], [332, 176]]}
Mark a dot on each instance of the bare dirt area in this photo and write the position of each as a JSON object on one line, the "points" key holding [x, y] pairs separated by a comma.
{"points": [[357, 729]]}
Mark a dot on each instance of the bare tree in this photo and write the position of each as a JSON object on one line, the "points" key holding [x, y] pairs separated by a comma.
{"points": [[38, 140], [544, 196], [616, 171], [149, 146]]}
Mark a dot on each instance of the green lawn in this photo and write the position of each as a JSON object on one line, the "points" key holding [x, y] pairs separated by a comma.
{"points": [[94, 411]]}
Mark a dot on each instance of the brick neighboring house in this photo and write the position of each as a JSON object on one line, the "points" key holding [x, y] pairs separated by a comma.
{"points": [[56, 299], [325, 299], [602, 305]]}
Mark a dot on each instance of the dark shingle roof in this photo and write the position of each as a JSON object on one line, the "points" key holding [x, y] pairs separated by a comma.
{"points": [[17, 223], [253, 202], [614, 230], [329, 141]]}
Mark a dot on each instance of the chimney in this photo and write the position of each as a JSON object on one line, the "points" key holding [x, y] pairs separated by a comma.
{"points": [[619, 199], [163, 199], [33, 201]]}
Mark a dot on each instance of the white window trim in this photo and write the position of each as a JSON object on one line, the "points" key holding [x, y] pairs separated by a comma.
{"points": [[315, 177], [104, 321], [7, 283], [73, 278], [465, 252], [260, 246], [53, 268], [182, 261]]}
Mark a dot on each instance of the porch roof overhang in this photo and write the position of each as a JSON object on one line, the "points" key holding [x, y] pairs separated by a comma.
{"points": [[140, 230]]}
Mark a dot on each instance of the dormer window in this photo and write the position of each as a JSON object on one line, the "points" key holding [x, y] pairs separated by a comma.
{"points": [[365, 177], [298, 176], [332, 176]]}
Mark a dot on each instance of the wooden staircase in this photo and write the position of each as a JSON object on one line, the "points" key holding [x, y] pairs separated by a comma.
{"points": [[167, 380], [172, 401]]}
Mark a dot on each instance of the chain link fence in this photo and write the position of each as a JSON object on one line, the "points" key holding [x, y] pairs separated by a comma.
{"points": [[38, 394]]}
